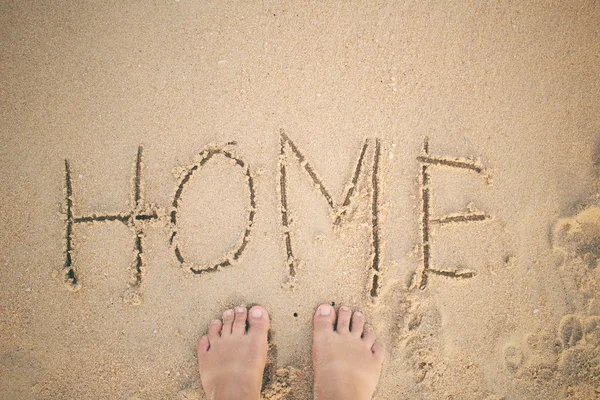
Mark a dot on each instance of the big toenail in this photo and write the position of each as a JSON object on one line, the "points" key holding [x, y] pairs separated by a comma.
{"points": [[257, 313], [240, 309], [324, 310], [228, 313]]}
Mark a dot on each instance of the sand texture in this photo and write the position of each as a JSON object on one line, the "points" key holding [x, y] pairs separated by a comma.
{"points": [[433, 164]]}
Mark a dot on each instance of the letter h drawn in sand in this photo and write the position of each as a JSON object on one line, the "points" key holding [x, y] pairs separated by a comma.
{"points": [[288, 146], [135, 218], [427, 161]]}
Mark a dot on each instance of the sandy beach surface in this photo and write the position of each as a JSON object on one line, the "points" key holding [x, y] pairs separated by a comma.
{"points": [[434, 164]]}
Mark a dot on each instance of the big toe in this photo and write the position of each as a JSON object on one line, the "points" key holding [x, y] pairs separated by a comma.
{"points": [[324, 319], [258, 321]]}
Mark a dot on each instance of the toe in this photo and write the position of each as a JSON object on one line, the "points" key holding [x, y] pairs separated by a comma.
{"points": [[239, 322], [358, 324], [324, 318], [258, 321], [378, 350], [343, 320], [228, 317], [214, 329], [368, 337], [203, 345]]}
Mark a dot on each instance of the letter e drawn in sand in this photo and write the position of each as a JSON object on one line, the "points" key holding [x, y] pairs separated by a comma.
{"points": [[427, 161], [287, 146], [136, 218], [205, 156]]}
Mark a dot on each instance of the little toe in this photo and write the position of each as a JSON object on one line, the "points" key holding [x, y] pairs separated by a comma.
{"points": [[324, 319], [258, 321], [203, 345], [239, 322], [228, 317], [358, 324], [378, 350], [368, 337], [214, 329], [343, 320]]}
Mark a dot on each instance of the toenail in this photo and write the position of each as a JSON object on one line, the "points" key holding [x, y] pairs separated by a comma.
{"points": [[324, 310], [344, 308], [215, 321], [240, 310], [257, 313], [228, 313], [358, 314]]}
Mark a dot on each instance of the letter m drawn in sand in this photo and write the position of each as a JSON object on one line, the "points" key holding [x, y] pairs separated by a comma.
{"points": [[287, 146]]}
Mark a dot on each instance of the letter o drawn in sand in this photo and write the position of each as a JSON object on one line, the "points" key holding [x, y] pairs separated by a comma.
{"points": [[184, 179]]}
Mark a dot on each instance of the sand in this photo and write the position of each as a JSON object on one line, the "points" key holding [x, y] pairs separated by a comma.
{"points": [[433, 164]]}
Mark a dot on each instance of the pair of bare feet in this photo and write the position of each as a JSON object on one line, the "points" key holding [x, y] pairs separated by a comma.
{"points": [[347, 359]]}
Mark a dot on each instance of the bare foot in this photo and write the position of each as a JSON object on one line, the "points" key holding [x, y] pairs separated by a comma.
{"points": [[232, 357], [347, 359]]}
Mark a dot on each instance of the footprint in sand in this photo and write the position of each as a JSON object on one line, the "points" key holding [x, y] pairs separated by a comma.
{"points": [[577, 241], [574, 369], [578, 346], [513, 357], [580, 235], [591, 330], [570, 331]]}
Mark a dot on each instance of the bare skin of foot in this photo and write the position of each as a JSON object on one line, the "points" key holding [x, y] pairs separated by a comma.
{"points": [[347, 359], [233, 354]]}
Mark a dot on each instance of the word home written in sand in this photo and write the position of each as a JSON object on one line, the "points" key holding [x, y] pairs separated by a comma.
{"points": [[141, 215]]}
